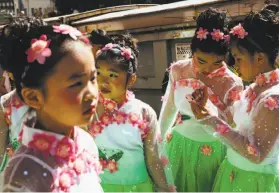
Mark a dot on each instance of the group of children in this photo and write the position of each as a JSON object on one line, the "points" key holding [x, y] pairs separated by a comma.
{"points": [[72, 124]]}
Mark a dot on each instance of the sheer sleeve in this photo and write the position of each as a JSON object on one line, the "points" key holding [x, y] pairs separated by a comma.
{"points": [[168, 111], [152, 145], [253, 141]]}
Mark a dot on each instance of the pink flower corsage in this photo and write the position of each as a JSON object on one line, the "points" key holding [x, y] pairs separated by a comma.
{"points": [[120, 117], [133, 118], [42, 143], [66, 29], [126, 53], [221, 129], [64, 149], [39, 50], [261, 80], [108, 46], [239, 31], [201, 34], [64, 180], [271, 103], [274, 76], [217, 35]]}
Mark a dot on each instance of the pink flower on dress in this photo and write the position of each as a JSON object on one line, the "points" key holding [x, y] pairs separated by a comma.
{"points": [[8, 111], [217, 35], [214, 99], [179, 119], [66, 29], [164, 160], [96, 128], [64, 149], [239, 31], [143, 126], [219, 72], [108, 46], [126, 53], [172, 188], [183, 83], [17, 103], [39, 50], [42, 142], [271, 103], [201, 34], [110, 105], [106, 119], [261, 80], [233, 94], [251, 149], [169, 137], [120, 117], [64, 180], [79, 165], [112, 166], [221, 129], [133, 118], [195, 84], [103, 163], [274, 76], [206, 150]]}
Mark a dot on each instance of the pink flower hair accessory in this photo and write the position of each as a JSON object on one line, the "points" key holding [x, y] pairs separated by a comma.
{"points": [[126, 53], [202, 34], [239, 31], [39, 50], [66, 29], [217, 35]]}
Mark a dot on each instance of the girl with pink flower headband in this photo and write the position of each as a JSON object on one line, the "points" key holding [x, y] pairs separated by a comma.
{"points": [[125, 129], [194, 155], [56, 91], [252, 158]]}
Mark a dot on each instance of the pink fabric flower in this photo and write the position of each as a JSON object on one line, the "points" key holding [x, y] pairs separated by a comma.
{"points": [[214, 99], [42, 143], [251, 149], [66, 29], [96, 128], [195, 84], [126, 53], [261, 80], [103, 163], [110, 105], [64, 180], [239, 31], [112, 166], [202, 33], [164, 160], [84, 39], [108, 46], [105, 119], [217, 35], [133, 118], [227, 38], [274, 76], [271, 103], [219, 72], [79, 165], [234, 95], [143, 125], [120, 117], [183, 83], [17, 103], [206, 150], [39, 50], [65, 149], [221, 129]]}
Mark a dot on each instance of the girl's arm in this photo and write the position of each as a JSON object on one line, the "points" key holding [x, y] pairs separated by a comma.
{"points": [[154, 163], [254, 141]]}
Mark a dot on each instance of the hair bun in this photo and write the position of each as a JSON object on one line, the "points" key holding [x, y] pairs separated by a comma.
{"points": [[126, 40], [212, 19], [274, 8]]}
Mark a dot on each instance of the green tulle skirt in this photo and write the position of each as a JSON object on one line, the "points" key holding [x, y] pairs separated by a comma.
{"points": [[143, 187], [194, 164], [232, 179]]}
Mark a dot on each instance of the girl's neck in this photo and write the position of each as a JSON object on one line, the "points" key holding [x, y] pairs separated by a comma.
{"points": [[121, 99], [46, 124]]}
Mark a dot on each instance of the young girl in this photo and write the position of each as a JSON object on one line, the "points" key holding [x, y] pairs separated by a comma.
{"points": [[252, 157], [195, 155], [125, 128], [55, 77]]}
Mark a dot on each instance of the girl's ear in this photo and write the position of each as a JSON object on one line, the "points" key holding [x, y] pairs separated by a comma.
{"points": [[132, 80], [33, 97]]}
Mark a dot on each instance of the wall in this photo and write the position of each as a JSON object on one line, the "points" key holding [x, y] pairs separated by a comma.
{"points": [[45, 5]]}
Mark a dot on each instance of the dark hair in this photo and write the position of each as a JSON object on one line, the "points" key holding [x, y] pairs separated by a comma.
{"points": [[99, 37], [263, 33], [211, 19], [114, 56], [16, 40]]}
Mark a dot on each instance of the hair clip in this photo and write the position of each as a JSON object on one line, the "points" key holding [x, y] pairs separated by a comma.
{"points": [[239, 31]]}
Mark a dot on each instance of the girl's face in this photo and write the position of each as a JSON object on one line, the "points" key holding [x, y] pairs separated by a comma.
{"points": [[244, 64], [205, 63], [112, 81], [71, 92]]}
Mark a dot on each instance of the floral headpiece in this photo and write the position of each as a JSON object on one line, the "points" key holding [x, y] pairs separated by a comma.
{"points": [[125, 52], [239, 31], [217, 35], [39, 48]]}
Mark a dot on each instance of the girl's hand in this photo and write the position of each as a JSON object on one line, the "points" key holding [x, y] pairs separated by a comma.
{"points": [[198, 101]]}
